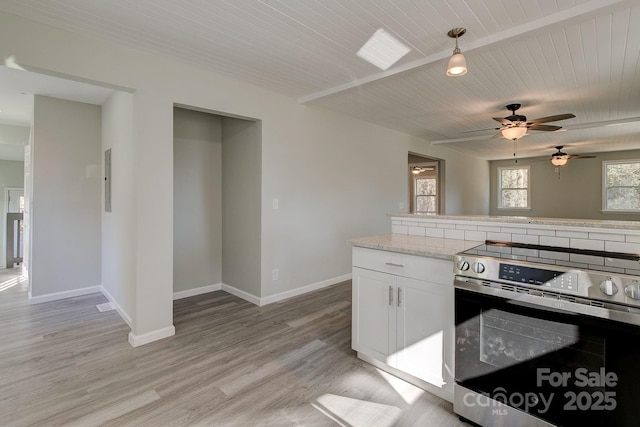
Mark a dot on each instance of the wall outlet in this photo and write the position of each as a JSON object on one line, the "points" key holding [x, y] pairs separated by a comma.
{"points": [[275, 274], [275, 204]]}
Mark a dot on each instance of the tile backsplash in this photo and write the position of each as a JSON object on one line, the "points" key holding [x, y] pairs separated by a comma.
{"points": [[580, 236]]}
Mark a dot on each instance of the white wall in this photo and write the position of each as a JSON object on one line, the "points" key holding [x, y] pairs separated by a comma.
{"points": [[336, 177], [466, 185], [241, 204], [12, 141], [65, 210], [118, 226], [575, 193], [11, 176], [197, 200]]}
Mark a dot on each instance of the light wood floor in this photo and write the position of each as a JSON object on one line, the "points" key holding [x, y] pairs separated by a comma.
{"points": [[230, 364]]}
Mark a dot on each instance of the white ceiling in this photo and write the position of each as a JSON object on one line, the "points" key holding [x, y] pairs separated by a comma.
{"points": [[552, 56]]}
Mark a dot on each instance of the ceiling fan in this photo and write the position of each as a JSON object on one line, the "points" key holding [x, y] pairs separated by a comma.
{"points": [[560, 159], [515, 126], [418, 169]]}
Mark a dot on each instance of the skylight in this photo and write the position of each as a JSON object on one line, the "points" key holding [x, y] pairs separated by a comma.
{"points": [[383, 50]]}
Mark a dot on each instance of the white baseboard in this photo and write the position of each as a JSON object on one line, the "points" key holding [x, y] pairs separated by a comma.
{"points": [[197, 291], [138, 340], [125, 316], [63, 295], [303, 290], [283, 295], [241, 294]]}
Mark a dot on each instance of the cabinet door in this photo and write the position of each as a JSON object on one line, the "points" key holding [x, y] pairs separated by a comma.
{"points": [[374, 316], [425, 331]]}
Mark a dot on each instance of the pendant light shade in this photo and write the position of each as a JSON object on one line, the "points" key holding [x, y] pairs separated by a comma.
{"points": [[457, 64], [514, 132]]}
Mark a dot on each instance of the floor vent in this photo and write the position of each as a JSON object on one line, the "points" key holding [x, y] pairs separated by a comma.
{"points": [[107, 306]]}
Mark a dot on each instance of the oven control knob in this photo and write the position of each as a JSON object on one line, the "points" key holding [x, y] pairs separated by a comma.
{"points": [[478, 267], [633, 290], [463, 265], [608, 287]]}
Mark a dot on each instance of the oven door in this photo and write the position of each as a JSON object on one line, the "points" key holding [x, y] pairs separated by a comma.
{"points": [[542, 362]]}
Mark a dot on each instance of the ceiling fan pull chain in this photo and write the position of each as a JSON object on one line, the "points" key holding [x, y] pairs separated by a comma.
{"points": [[515, 150]]}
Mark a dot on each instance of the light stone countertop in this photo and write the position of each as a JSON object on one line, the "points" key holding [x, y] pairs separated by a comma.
{"points": [[565, 222], [432, 247]]}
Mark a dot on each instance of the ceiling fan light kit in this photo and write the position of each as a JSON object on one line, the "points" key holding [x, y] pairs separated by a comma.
{"points": [[457, 64], [559, 159], [514, 132]]}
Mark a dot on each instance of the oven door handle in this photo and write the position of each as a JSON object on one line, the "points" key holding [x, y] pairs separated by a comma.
{"points": [[547, 304]]}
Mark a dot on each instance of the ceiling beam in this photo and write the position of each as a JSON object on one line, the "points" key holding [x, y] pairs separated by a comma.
{"points": [[580, 11]]}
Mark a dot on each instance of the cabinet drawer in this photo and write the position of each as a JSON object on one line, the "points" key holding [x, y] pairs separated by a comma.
{"points": [[415, 267]]}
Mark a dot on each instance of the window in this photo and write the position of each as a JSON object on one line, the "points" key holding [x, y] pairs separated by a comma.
{"points": [[426, 195], [513, 188], [621, 187]]}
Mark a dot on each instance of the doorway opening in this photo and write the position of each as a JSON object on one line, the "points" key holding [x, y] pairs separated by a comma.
{"points": [[14, 226], [425, 184], [217, 203]]}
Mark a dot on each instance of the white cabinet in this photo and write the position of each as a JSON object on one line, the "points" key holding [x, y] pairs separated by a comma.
{"points": [[424, 341], [404, 321], [374, 314]]}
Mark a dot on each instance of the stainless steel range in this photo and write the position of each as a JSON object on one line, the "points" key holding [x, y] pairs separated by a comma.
{"points": [[546, 336]]}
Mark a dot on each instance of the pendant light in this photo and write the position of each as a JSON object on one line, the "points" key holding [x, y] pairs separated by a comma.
{"points": [[457, 63]]}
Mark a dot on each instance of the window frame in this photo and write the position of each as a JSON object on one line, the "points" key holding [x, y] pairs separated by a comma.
{"points": [[605, 187], [500, 188]]}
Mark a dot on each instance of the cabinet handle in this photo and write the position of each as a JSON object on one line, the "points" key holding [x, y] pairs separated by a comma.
{"points": [[399, 296], [392, 264], [390, 295]]}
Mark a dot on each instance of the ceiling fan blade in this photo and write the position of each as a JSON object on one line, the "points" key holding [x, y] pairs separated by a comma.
{"points": [[503, 121], [541, 159], [478, 130], [552, 118], [548, 128], [577, 156]]}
